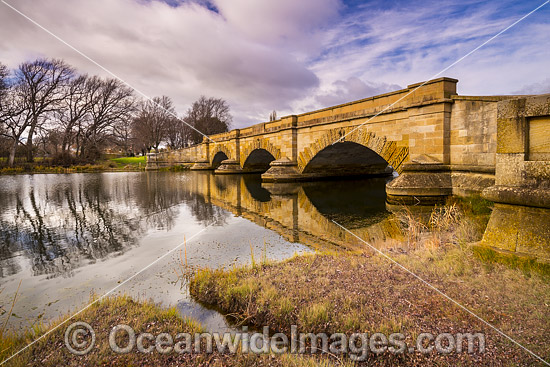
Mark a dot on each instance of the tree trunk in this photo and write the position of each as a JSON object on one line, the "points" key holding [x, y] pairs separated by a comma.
{"points": [[11, 159], [30, 153]]}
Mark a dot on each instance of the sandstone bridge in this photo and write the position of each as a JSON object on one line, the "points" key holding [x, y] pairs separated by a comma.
{"points": [[437, 142]]}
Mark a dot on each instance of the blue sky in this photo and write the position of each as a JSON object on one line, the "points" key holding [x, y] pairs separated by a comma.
{"points": [[288, 55]]}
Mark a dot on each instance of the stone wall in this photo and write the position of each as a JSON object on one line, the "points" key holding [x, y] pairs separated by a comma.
{"points": [[473, 132], [520, 222], [185, 156]]}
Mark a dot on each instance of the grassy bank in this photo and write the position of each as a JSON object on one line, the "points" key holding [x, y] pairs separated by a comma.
{"points": [[142, 317], [125, 164], [364, 292]]}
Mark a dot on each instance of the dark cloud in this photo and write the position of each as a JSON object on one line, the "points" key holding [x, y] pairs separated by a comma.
{"points": [[536, 88], [180, 49]]}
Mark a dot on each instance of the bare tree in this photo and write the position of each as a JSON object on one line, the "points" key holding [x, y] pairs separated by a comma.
{"points": [[73, 109], [15, 120], [153, 121], [4, 89], [178, 134], [209, 116], [4, 85], [111, 103], [41, 86], [123, 137]]}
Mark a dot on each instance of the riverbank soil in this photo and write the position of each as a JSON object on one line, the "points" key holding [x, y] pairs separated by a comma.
{"points": [[367, 293]]}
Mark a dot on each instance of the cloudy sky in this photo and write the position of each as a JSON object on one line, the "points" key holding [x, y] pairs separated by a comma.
{"points": [[286, 55]]}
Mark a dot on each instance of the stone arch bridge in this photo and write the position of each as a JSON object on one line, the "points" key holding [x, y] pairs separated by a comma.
{"points": [[423, 128], [437, 142]]}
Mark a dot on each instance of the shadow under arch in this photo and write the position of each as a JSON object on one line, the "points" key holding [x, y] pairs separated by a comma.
{"points": [[346, 159], [253, 184], [393, 152], [354, 203], [218, 158], [258, 161]]}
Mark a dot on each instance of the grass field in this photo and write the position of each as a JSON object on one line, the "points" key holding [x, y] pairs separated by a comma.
{"points": [[143, 317], [45, 166], [132, 161]]}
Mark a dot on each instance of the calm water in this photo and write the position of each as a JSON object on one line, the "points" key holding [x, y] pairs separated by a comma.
{"points": [[65, 237]]}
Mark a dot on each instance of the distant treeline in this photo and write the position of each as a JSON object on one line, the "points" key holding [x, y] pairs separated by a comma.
{"points": [[47, 109]]}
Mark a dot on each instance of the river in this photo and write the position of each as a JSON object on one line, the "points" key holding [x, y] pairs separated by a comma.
{"points": [[65, 237]]}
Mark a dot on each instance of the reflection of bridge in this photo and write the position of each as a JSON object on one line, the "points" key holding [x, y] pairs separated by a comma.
{"points": [[440, 143], [289, 211]]}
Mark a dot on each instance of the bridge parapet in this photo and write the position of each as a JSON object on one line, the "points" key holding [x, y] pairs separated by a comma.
{"points": [[222, 136], [433, 91]]}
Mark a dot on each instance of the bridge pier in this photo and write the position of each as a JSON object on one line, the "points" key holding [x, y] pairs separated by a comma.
{"points": [[201, 166], [420, 184], [229, 166], [282, 170]]}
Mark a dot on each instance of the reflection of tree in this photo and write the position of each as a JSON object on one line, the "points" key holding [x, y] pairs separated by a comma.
{"points": [[8, 265], [59, 235], [66, 222], [158, 195], [206, 213], [46, 254], [61, 227]]}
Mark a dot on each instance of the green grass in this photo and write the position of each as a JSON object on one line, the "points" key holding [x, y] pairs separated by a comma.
{"points": [[526, 264], [133, 161], [106, 165]]}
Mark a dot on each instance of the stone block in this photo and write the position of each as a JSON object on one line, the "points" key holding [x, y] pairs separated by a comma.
{"points": [[519, 229]]}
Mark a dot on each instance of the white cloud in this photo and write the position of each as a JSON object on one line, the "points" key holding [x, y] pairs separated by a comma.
{"points": [[182, 51], [286, 55], [353, 89]]}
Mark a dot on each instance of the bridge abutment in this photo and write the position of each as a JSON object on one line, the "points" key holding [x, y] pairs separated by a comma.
{"points": [[520, 221]]}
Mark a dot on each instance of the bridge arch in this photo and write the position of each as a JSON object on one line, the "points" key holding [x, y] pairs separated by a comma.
{"points": [[258, 145], [359, 142], [258, 161], [219, 154]]}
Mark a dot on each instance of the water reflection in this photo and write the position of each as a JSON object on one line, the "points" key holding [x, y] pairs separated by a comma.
{"points": [[63, 222], [304, 212]]}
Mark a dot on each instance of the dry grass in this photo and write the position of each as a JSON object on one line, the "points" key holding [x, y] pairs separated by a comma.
{"points": [[143, 317], [102, 316], [348, 292]]}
